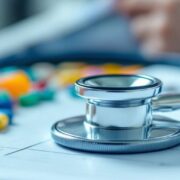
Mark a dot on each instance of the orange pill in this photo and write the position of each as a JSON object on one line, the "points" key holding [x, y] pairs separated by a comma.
{"points": [[130, 69], [16, 83]]}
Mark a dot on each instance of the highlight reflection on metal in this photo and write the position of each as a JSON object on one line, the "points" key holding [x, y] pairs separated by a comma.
{"points": [[119, 116]]}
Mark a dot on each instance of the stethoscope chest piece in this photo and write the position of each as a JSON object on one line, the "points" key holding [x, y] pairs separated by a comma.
{"points": [[120, 116]]}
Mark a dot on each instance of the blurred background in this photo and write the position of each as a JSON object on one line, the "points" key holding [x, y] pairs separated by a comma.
{"points": [[12, 11], [69, 30], [34, 30]]}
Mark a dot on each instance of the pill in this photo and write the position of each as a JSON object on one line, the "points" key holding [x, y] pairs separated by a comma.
{"points": [[68, 76], [3, 121], [6, 104], [130, 69], [72, 92], [43, 71], [40, 85], [47, 94], [6, 101], [4, 95], [68, 73], [30, 99], [53, 83], [15, 83], [8, 113], [92, 70], [111, 68]]}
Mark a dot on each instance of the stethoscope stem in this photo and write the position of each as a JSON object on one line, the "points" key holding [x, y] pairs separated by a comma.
{"points": [[166, 103]]}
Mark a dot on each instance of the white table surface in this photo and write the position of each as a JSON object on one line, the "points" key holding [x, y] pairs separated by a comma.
{"points": [[27, 151]]}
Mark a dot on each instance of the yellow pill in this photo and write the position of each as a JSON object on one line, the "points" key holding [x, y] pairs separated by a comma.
{"points": [[67, 77], [111, 68], [4, 120]]}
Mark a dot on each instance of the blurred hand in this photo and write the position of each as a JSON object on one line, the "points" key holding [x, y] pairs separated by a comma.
{"points": [[155, 23]]}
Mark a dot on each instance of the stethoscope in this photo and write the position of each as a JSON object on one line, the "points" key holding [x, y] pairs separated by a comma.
{"points": [[120, 116]]}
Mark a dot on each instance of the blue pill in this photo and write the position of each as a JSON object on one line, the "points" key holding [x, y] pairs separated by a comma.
{"points": [[72, 92], [6, 104]]}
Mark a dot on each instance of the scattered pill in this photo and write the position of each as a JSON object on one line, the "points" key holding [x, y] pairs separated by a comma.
{"points": [[72, 92], [16, 83], [130, 69], [111, 68], [6, 104], [68, 76], [43, 71], [4, 95], [30, 99], [5, 101], [8, 113], [92, 70], [47, 94], [40, 85], [4, 121]]}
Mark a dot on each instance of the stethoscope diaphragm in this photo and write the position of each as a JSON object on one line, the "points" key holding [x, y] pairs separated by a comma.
{"points": [[120, 116]]}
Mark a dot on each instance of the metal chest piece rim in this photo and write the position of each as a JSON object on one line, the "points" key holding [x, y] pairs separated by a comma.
{"points": [[119, 117], [72, 133]]}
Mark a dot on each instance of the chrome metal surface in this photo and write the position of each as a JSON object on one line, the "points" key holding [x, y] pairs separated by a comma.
{"points": [[76, 134], [166, 102], [119, 116], [118, 87], [119, 100], [112, 116]]}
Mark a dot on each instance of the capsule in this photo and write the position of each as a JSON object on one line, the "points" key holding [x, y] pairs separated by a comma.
{"points": [[4, 121]]}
